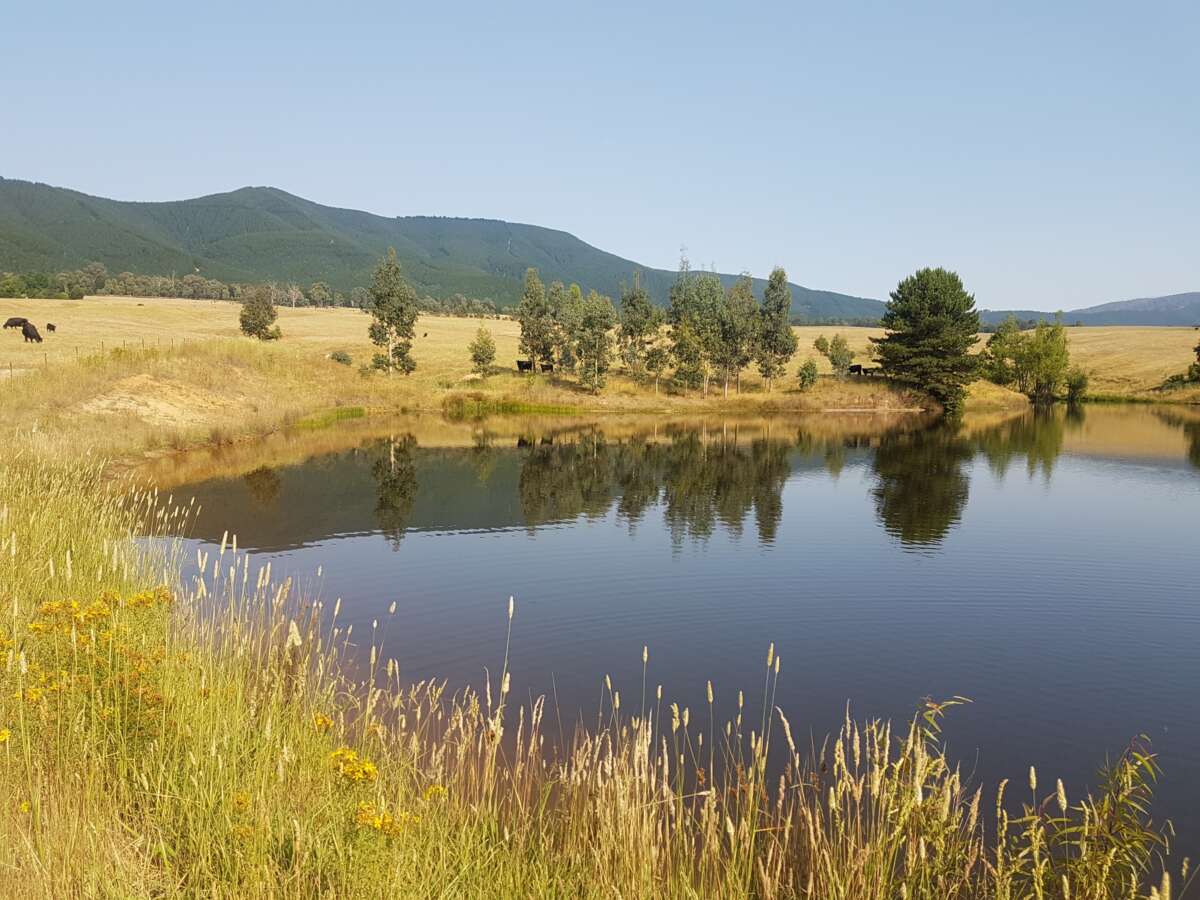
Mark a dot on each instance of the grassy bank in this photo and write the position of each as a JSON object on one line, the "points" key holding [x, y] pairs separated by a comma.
{"points": [[201, 739]]}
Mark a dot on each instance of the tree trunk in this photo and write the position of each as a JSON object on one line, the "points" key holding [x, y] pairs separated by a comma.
{"points": [[739, 381], [726, 386]]}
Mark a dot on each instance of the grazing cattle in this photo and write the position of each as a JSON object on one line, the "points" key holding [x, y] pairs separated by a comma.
{"points": [[50, 326], [31, 333], [856, 369], [524, 365], [547, 367], [15, 322], [524, 442]]}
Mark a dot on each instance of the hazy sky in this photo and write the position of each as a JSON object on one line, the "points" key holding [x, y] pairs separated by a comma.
{"points": [[1048, 151]]}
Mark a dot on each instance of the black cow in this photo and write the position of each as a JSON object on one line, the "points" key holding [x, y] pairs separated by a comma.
{"points": [[15, 322], [31, 333], [856, 369], [524, 365], [547, 367], [50, 326]]}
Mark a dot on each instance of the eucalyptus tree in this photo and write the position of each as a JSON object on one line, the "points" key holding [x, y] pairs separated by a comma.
{"points": [[566, 310], [538, 339], [739, 329], [776, 342], [687, 343], [640, 322], [393, 317], [319, 294], [593, 341]]}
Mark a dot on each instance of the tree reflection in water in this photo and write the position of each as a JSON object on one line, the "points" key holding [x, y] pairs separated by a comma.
{"points": [[396, 485], [703, 480], [1036, 436], [921, 483], [1189, 424]]}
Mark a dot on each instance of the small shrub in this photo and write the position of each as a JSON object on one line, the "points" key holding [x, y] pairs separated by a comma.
{"points": [[341, 356], [483, 351], [838, 353], [808, 374], [1077, 385]]}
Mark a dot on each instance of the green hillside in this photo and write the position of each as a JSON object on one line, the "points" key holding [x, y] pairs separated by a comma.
{"points": [[262, 233]]}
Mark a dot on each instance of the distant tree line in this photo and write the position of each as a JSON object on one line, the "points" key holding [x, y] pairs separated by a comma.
{"points": [[95, 279], [1024, 324]]}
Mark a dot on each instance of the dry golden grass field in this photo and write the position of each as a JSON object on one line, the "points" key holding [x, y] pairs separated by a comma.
{"points": [[124, 376], [98, 324]]}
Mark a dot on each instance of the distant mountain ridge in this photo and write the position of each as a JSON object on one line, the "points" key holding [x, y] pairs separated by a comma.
{"points": [[1173, 309], [266, 234], [263, 233]]}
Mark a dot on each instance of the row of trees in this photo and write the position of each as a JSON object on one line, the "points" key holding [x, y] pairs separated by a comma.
{"points": [[94, 279], [561, 327], [711, 332]]}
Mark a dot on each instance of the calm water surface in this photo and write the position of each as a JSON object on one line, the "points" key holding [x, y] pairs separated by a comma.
{"points": [[1044, 566]]}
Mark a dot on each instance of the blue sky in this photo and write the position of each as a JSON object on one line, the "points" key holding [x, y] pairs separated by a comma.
{"points": [[1049, 152]]}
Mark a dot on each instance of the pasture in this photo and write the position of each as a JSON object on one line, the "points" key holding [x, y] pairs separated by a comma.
{"points": [[1121, 360]]}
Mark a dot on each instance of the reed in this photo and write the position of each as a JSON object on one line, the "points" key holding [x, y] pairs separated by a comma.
{"points": [[163, 738]]}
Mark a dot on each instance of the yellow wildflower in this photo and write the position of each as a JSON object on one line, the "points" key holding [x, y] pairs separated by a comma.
{"points": [[25, 807], [5, 734], [351, 766], [434, 792], [368, 816], [322, 722], [241, 800]]}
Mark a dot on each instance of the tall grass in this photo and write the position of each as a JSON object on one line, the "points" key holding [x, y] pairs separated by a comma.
{"points": [[166, 739]]}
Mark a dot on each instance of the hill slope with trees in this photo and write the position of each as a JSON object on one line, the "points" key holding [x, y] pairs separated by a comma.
{"points": [[265, 234]]}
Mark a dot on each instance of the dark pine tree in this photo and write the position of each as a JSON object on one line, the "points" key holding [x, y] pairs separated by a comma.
{"points": [[932, 325]]}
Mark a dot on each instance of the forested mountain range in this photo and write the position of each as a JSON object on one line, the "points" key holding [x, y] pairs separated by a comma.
{"points": [[265, 234], [259, 234]]}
